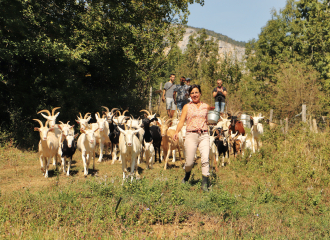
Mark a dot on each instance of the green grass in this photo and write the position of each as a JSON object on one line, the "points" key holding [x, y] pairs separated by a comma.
{"points": [[280, 192]]}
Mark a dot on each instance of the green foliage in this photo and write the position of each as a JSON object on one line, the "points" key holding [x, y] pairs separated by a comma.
{"points": [[81, 55], [297, 37]]}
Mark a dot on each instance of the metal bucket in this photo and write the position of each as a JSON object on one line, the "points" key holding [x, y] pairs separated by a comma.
{"points": [[245, 119], [213, 117]]}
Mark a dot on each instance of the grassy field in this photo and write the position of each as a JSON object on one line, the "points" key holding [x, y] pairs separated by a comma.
{"points": [[281, 192]]}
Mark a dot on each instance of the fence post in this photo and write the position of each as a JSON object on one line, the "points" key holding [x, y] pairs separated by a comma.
{"points": [[160, 96], [304, 113], [271, 115], [310, 124], [315, 126], [286, 125], [150, 97]]}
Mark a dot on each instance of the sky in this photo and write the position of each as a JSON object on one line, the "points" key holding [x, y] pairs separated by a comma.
{"points": [[240, 20]]}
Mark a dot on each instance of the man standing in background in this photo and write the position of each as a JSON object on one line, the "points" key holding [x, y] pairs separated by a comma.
{"points": [[180, 94], [168, 94], [219, 94], [188, 86]]}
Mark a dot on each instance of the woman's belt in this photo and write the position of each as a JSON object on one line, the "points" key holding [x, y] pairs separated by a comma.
{"points": [[198, 131]]}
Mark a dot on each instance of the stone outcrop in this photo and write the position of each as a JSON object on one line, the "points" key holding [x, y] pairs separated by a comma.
{"points": [[225, 48]]}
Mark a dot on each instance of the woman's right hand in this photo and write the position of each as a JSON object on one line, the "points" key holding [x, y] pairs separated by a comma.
{"points": [[175, 137]]}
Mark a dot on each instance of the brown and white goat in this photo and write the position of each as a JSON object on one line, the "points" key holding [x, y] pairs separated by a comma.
{"points": [[168, 143]]}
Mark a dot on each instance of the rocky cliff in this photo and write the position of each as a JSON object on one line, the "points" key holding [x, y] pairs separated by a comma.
{"points": [[225, 48]]}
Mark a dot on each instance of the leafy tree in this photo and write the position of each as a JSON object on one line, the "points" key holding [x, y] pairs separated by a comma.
{"points": [[81, 55]]}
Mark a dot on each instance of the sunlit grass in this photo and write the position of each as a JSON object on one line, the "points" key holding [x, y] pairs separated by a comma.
{"points": [[279, 192]]}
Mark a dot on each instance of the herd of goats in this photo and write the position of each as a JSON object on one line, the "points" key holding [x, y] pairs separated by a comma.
{"points": [[136, 139]]}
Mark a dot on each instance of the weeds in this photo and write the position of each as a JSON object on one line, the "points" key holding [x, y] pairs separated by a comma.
{"points": [[279, 192]]}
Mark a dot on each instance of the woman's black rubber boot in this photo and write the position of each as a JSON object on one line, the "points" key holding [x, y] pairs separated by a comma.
{"points": [[205, 181], [186, 177]]}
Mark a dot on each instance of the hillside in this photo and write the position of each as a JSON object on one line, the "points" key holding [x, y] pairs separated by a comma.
{"points": [[227, 46]]}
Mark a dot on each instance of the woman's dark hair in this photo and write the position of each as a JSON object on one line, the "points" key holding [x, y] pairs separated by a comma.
{"points": [[195, 86]]}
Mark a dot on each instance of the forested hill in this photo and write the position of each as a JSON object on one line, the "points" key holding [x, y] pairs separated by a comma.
{"points": [[221, 37]]}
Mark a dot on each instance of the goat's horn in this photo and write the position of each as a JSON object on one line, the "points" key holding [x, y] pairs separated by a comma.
{"points": [[41, 125], [87, 115], [106, 109], [68, 122], [80, 116], [125, 126], [117, 112], [46, 111], [54, 109], [61, 122], [143, 110], [47, 123], [132, 116], [167, 121], [113, 110], [124, 112], [98, 114]]}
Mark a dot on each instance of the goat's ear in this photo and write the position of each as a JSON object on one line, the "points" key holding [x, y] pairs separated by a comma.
{"points": [[51, 129], [82, 130], [36, 129], [72, 126], [96, 129], [77, 121], [76, 135], [59, 126], [56, 115]]}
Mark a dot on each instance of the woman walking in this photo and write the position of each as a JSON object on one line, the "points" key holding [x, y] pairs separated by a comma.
{"points": [[195, 113]]}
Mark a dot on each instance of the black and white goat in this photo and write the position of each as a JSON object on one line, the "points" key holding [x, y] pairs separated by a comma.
{"points": [[68, 147], [152, 133]]}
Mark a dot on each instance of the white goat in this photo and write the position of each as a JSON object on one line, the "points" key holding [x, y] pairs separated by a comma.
{"points": [[214, 154], [48, 145], [256, 131], [86, 144], [102, 135], [83, 121], [130, 147], [149, 152], [52, 124]]}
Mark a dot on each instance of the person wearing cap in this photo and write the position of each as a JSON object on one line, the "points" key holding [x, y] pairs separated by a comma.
{"points": [[180, 94], [188, 86], [219, 94]]}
